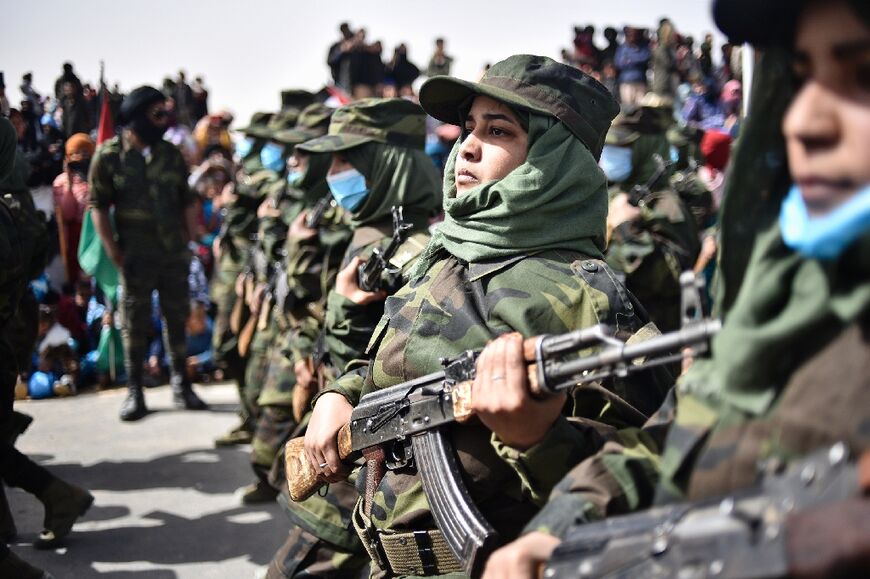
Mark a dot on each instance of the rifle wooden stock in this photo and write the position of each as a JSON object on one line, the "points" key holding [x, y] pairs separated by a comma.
{"points": [[303, 480]]}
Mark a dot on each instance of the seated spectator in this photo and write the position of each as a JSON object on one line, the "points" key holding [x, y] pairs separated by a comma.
{"points": [[200, 355], [702, 109]]}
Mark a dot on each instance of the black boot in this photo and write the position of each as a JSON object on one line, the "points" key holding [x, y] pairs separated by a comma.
{"points": [[183, 395], [64, 503], [14, 566], [8, 532], [133, 407]]}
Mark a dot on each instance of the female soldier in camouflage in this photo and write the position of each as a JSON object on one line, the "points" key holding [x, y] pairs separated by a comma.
{"points": [[520, 250], [376, 147], [789, 371]]}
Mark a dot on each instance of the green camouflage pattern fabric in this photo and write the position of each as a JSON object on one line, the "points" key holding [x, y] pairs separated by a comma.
{"points": [[620, 478], [652, 251], [258, 121], [757, 397], [458, 306], [347, 329], [388, 121], [532, 83], [304, 555], [313, 122], [149, 196]]}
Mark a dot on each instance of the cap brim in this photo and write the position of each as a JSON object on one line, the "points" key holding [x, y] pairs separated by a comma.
{"points": [[254, 131], [443, 97], [621, 137], [333, 143], [296, 136]]}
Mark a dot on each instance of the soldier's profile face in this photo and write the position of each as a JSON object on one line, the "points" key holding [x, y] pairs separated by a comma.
{"points": [[493, 145], [827, 126]]}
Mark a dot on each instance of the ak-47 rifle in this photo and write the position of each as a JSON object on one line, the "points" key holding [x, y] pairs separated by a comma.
{"points": [[315, 215], [369, 273], [740, 536], [409, 421], [640, 192]]}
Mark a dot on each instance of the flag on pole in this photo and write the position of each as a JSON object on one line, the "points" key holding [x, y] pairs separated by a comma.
{"points": [[92, 257]]}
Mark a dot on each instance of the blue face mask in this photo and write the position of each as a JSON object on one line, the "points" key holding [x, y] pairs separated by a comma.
{"points": [[824, 237], [348, 188], [270, 157], [294, 176], [675, 155], [244, 147], [616, 163]]}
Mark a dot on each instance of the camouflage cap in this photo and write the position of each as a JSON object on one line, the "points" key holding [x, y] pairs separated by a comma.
{"points": [[281, 121], [390, 121], [296, 98], [313, 122], [257, 125], [632, 122], [533, 83]]}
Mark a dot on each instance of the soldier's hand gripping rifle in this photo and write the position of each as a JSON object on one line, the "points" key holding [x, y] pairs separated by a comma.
{"points": [[739, 536], [409, 421], [315, 216], [369, 273]]}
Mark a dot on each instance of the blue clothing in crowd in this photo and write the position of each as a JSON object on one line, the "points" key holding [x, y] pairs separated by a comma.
{"points": [[632, 62]]}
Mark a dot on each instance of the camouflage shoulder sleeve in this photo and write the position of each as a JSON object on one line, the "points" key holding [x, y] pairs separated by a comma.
{"points": [[350, 385], [100, 176], [620, 478]]}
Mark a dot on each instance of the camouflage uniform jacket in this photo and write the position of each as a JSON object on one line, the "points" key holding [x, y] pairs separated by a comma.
{"points": [[348, 329], [458, 306], [149, 195], [651, 252]]}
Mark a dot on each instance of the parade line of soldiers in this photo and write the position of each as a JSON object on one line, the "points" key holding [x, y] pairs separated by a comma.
{"points": [[380, 320]]}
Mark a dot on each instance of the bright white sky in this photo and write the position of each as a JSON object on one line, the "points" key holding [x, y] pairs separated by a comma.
{"points": [[249, 50]]}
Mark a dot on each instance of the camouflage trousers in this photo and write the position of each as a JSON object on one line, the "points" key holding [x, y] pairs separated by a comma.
{"points": [[275, 423], [141, 275], [256, 367], [224, 343], [304, 555]]}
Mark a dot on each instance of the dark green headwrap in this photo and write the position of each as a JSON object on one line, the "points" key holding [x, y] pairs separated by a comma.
{"points": [[556, 199], [643, 163], [313, 182], [778, 306], [395, 176]]}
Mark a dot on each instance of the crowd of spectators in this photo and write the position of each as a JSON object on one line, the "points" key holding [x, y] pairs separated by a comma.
{"points": [[705, 91], [77, 341]]}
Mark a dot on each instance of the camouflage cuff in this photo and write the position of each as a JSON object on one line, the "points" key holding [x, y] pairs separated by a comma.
{"points": [[560, 514], [545, 464], [349, 385]]}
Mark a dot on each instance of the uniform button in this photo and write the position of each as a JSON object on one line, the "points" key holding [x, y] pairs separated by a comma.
{"points": [[590, 266]]}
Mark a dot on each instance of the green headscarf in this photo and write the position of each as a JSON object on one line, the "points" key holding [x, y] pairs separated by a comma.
{"points": [[643, 164], [313, 182], [395, 176], [778, 307], [556, 199]]}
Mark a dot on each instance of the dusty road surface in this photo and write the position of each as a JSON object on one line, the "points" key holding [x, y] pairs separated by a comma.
{"points": [[165, 506]]}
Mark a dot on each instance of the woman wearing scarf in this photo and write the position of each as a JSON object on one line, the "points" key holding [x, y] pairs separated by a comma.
{"points": [[790, 370], [377, 163], [520, 250]]}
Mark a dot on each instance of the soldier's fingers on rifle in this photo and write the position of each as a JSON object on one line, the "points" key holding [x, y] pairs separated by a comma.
{"points": [[331, 412], [522, 558]]}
